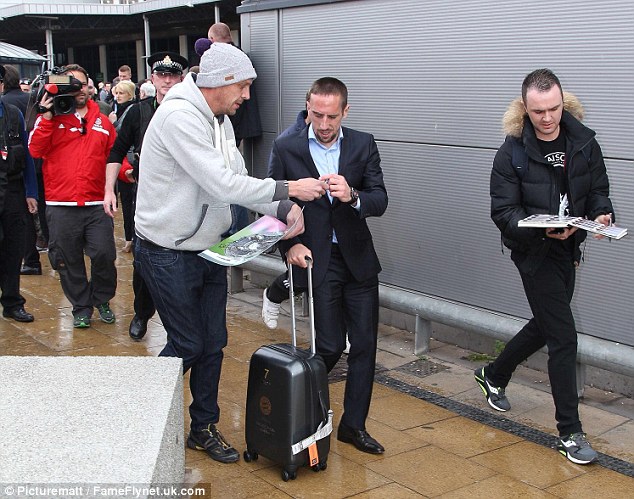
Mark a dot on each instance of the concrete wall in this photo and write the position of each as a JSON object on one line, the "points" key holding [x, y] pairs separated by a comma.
{"points": [[91, 421]]}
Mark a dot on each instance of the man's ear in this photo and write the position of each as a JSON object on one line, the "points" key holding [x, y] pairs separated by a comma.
{"points": [[345, 110]]}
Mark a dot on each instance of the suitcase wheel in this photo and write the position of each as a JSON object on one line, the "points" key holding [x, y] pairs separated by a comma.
{"points": [[320, 467], [289, 475], [250, 456]]}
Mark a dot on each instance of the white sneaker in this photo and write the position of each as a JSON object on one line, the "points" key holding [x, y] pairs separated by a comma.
{"points": [[347, 350], [270, 312]]}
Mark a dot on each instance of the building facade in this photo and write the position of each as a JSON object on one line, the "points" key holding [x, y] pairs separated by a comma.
{"points": [[431, 80]]}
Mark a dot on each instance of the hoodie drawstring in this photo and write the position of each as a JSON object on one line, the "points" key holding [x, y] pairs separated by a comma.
{"points": [[220, 141]]}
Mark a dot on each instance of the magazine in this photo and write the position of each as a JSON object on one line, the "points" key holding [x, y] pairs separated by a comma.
{"points": [[546, 221], [247, 243]]}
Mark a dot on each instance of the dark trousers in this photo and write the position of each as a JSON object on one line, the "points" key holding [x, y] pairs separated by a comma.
{"points": [[41, 201], [277, 292], [549, 293], [31, 254], [344, 304], [13, 221], [143, 302], [127, 193], [190, 294], [73, 231]]}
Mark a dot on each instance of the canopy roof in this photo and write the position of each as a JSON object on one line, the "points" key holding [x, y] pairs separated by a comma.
{"points": [[13, 53]]}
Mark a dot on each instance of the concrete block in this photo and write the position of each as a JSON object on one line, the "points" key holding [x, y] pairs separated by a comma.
{"points": [[93, 421]]}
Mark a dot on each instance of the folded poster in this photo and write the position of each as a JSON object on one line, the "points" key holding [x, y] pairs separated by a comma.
{"points": [[247, 243]]}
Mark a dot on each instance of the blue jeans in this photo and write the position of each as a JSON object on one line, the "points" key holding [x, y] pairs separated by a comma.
{"points": [[190, 294]]}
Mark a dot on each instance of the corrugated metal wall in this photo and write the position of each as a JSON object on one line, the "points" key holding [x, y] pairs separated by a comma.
{"points": [[431, 80]]}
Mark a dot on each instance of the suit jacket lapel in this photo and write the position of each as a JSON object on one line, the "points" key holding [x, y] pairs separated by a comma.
{"points": [[305, 153], [344, 154]]}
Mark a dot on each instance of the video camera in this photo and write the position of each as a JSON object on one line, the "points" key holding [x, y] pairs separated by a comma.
{"points": [[59, 86]]}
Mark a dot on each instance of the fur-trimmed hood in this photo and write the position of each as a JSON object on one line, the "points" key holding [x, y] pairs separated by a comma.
{"points": [[513, 120]]}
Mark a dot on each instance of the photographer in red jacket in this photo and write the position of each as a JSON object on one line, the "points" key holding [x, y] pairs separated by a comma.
{"points": [[74, 139]]}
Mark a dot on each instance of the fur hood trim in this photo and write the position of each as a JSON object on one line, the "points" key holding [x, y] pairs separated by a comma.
{"points": [[513, 120]]}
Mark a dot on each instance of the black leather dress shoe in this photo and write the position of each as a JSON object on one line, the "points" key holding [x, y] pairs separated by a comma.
{"points": [[26, 270], [138, 328], [361, 439], [18, 314]]}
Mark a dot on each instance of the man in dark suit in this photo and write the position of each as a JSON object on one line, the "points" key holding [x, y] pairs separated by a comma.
{"points": [[337, 237]]}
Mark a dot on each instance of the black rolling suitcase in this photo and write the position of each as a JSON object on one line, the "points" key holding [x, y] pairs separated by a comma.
{"points": [[288, 416]]}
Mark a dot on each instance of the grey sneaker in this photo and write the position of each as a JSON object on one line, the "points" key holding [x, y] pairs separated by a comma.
{"points": [[494, 394], [270, 312], [105, 314], [576, 448]]}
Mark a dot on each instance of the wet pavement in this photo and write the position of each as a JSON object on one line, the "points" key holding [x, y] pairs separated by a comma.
{"points": [[441, 438]]}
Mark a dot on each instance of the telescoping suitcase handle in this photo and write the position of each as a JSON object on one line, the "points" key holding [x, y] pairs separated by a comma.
{"points": [[311, 305]]}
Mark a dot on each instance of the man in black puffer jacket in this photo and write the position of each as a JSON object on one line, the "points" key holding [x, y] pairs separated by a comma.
{"points": [[550, 163]]}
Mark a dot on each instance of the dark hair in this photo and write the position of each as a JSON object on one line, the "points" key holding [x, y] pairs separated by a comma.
{"points": [[542, 80], [75, 67], [11, 77], [329, 86]]}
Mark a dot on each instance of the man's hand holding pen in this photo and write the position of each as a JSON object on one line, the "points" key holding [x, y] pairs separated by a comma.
{"points": [[338, 186]]}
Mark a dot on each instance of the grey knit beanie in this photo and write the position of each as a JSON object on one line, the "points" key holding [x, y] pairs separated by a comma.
{"points": [[223, 64]]}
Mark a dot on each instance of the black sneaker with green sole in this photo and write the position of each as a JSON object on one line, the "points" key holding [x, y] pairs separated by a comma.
{"points": [[105, 314], [81, 322]]}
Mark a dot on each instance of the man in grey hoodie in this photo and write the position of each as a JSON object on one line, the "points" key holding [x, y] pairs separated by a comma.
{"points": [[189, 174]]}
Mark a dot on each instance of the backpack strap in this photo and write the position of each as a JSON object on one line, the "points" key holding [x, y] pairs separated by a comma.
{"points": [[119, 122], [519, 159], [11, 124], [586, 151], [12, 120]]}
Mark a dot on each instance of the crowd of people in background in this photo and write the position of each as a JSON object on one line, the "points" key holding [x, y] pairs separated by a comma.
{"points": [[128, 106]]}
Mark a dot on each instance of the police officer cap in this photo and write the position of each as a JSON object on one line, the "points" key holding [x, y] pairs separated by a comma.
{"points": [[167, 62]]}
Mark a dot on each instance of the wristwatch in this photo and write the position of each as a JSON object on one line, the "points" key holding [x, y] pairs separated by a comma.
{"points": [[354, 197]]}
